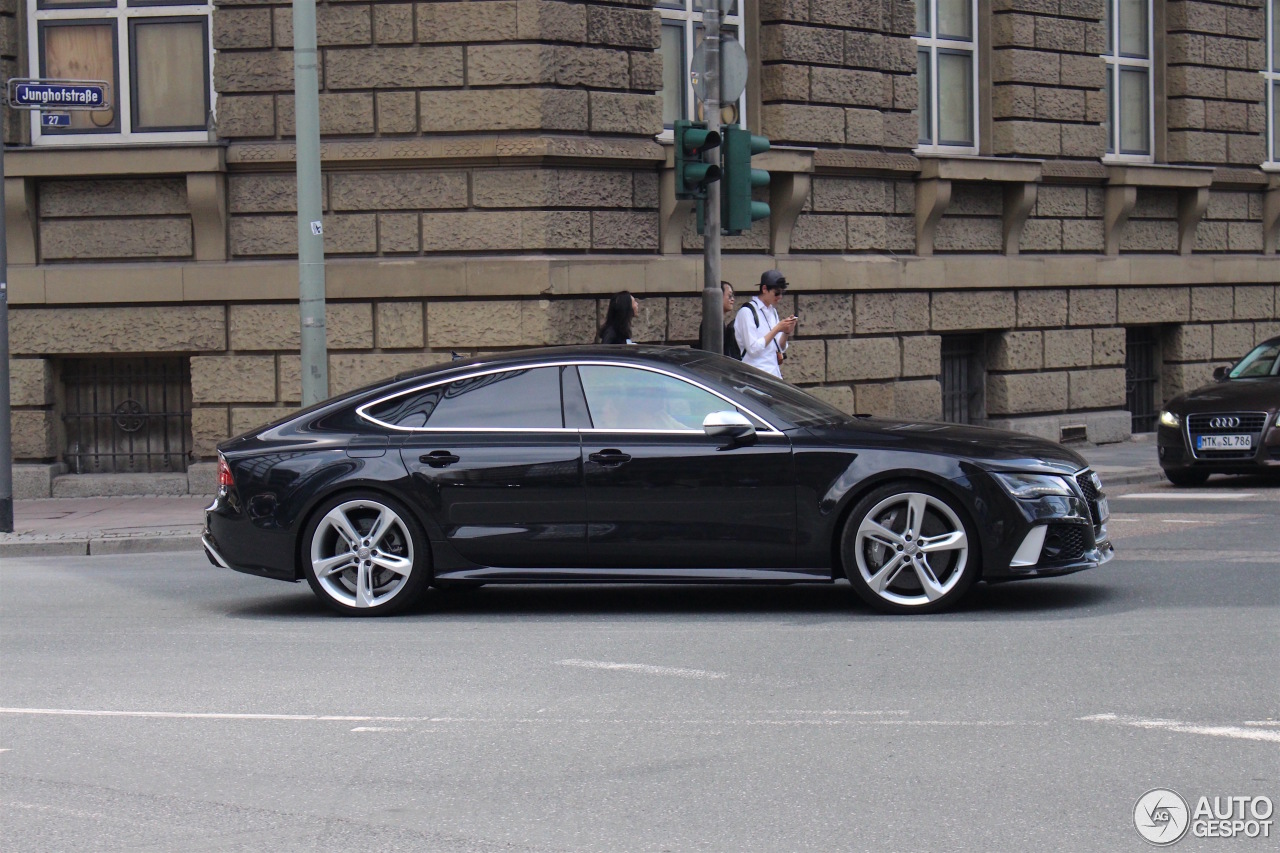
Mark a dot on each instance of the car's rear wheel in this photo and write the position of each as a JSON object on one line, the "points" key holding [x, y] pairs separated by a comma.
{"points": [[1187, 478], [365, 555], [907, 548]]}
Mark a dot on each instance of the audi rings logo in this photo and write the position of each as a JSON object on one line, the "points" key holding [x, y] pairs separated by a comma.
{"points": [[1224, 423], [1161, 816]]}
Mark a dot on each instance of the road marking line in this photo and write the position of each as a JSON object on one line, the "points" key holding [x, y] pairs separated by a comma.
{"points": [[1191, 496], [1187, 728], [196, 715], [378, 729], [640, 667]]}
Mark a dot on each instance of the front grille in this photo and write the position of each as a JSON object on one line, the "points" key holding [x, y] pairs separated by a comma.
{"points": [[1247, 423], [1085, 480], [1064, 543]]}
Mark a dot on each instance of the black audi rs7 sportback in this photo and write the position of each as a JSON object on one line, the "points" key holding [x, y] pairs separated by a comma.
{"points": [[639, 464]]}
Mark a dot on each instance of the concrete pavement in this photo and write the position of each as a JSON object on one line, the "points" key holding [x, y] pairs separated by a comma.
{"points": [[138, 524]]}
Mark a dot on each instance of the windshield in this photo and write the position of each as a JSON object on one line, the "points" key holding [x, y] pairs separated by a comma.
{"points": [[1263, 361], [787, 401]]}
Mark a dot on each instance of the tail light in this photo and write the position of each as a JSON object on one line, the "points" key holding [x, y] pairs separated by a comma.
{"points": [[225, 481]]}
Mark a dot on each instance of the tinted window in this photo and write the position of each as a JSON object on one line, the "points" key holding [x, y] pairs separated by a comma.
{"points": [[1263, 361], [788, 402], [627, 398], [517, 399]]}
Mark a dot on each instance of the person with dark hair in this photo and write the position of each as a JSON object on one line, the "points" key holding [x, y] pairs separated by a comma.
{"points": [[623, 308], [730, 347], [761, 334]]}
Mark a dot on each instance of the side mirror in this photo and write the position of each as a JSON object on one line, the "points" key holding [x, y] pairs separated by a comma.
{"points": [[728, 425], [1219, 374]]}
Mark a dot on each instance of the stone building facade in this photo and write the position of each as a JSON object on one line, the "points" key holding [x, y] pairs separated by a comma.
{"points": [[495, 169]]}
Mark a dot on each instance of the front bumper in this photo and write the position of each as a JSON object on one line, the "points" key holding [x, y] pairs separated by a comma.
{"points": [[1175, 453], [1060, 535]]}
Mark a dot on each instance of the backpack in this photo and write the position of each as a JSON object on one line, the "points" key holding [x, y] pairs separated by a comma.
{"points": [[742, 353]]}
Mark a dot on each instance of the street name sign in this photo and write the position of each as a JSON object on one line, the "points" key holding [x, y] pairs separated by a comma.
{"points": [[37, 94]]}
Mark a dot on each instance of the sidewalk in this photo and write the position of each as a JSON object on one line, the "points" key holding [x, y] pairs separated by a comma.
{"points": [[58, 527]]}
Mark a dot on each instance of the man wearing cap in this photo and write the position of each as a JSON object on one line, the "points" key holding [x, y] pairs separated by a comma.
{"points": [[760, 334]]}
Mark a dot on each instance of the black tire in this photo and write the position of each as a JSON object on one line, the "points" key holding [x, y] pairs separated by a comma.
{"points": [[1187, 478], [379, 577], [903, 514]]}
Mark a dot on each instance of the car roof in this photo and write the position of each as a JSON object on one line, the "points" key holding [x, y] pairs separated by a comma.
{"points": [[675, 356]]}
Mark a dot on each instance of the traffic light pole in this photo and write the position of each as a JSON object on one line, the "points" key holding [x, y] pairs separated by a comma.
{"points": [[712, 300], [311, 296]]}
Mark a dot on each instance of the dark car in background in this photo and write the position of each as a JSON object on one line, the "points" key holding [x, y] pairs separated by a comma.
{"points": [[1228, 427], [639, 464]]}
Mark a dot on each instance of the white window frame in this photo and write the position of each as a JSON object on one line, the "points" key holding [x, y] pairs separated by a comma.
{"points": [[688, 14], [122, 94], [933, 43], [1271, 74], [1116, 62]]}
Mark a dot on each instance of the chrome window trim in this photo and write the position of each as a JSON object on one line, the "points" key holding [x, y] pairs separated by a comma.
{"points": [[361, 410]]}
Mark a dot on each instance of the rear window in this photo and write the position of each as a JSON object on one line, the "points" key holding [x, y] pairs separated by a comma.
{"points": [[514, 399]]}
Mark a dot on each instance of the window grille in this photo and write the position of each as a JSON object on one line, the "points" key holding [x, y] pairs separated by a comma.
{"points": [[1142, 376], [127, 415], [963, 379]]}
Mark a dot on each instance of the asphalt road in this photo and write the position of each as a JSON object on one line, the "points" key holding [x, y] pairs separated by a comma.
{"points": [[156, 703]]}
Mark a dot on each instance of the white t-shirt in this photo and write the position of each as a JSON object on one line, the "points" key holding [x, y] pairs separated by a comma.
{"points": [[756, 351]]}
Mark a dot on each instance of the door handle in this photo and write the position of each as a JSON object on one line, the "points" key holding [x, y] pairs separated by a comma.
{"points": [[439, 458], [610, 457]]}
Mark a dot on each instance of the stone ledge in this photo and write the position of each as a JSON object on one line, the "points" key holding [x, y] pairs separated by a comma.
{"points": [[87, 161], [827, 161]]}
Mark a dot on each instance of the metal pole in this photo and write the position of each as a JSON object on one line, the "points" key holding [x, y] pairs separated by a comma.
{"points": [[306, 106], [6, 411], [712, 299]]}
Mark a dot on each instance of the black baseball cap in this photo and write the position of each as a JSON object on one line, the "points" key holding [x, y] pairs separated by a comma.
{"points": [[773, 280]]}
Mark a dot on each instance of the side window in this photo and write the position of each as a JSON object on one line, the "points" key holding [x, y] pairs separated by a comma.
{"points": [[627, 398], [517, 399]]}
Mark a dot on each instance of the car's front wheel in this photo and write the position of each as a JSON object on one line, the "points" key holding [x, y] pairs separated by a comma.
{"points": [[908, 549], [365, 555]]}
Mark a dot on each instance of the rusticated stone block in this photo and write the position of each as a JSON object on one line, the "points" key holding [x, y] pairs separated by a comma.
{"points": [[1083, 72], [209, 426], [1245, 149], [1015, 351], [393, 23], [1224, 204], [466, 22], [784, 10], [1082, 235], [808, 45], [958, 310], [233, 379], [851, 195], [864, 127], [1023, 393], [502, 109], [397, 112], [348, 371], [37, 331], [33, 434], [399, 233], [239, 29], [146, 197], [408, 190], [800, 123], [623, 27], [1188, 343], [505, 230], [921, 355], [512, 64], [592, 188], [249, 418], [30, 382], [784, 83], [1083, 140], [1187, 146], [1042, 235], [855, 14], [806, 362], [276, 327], [400, 325], [848, 87], [869, 233], [1092, 306], [1025, 66], [1042, 307], [919, 399], [1197, 81], [873, 398], [885, 313], [1068, 348], [1060, 34], [825, 314], [556, 322], [1097, 389], [550, 21], [341, 113], [1232, 340], [1060, 201], [840, 396], [616, 112], [624, 229], [278, 235], [1143, 305], [1197, 17], [90, 239], [1211, 303], [819, 234], [243, 116], [335, 25], [863, 358], [1178, 379], [267, 71], [649, 325], [684, 319], [474, 324], [1060, 104], [1255, 303], [265, 194], [393, 67], [1014, 101], [1108, 347], [968, 234], [1027, 137]]}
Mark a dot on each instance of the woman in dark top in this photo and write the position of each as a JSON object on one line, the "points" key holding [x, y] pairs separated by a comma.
{"points": [[617, 321]]}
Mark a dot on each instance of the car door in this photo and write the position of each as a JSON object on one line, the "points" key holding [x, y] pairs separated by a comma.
{"points": [[662, 494], [495, 469]]}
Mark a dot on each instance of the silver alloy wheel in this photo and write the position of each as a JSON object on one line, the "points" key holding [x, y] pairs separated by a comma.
{"points": [[362, 553], [911, 549]]}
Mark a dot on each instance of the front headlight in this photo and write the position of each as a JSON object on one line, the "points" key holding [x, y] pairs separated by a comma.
{"points": [[1031, 486], [1169, 419]]}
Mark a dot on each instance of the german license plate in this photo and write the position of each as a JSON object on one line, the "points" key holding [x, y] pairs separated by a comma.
{"points": [[1224, 442], [1104, 511]]}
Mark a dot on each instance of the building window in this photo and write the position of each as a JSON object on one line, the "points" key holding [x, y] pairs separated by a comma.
{"points": [[681, 33], [1141, 376], [964, 378], [947, 49], [1272, 75], [1129, 78], [154, 54]]}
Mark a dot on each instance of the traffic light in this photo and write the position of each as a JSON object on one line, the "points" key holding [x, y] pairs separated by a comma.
{"points": [[692, 174], [737, 210]]}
